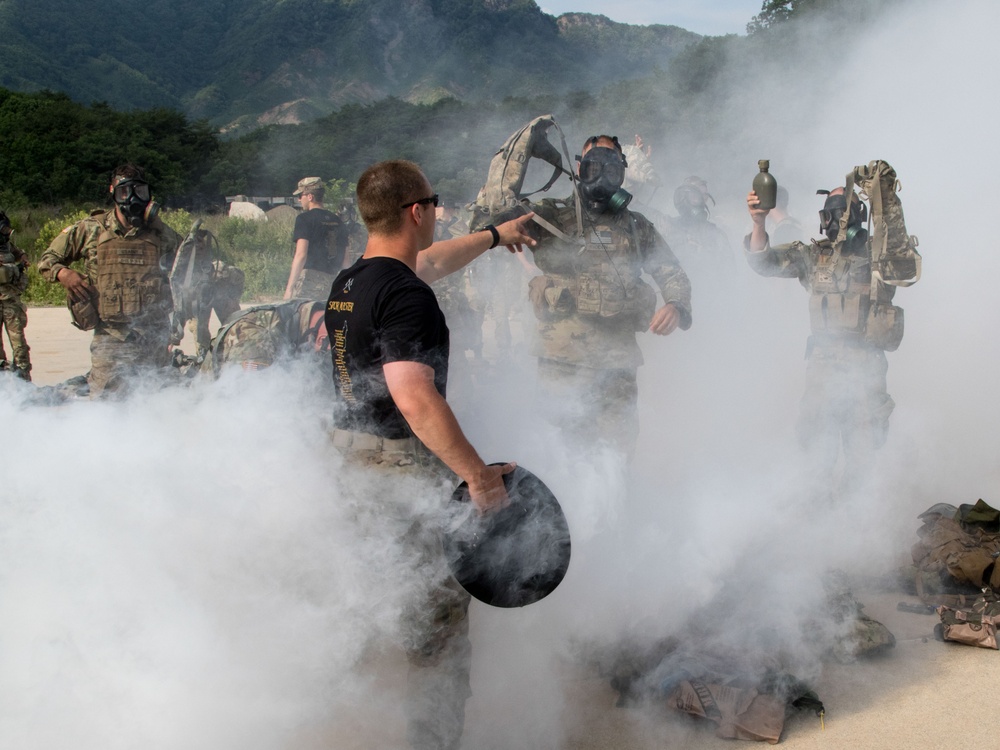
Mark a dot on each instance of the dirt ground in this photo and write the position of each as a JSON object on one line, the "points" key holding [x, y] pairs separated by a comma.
{"points": [[924, 694], [60, 351]]}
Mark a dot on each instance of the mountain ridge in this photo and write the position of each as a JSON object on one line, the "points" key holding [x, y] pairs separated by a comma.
{"points": [[241, 65]]}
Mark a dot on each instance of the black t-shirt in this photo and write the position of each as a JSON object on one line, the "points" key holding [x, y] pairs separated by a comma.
{"points": [[327, 240], [380, 312]]}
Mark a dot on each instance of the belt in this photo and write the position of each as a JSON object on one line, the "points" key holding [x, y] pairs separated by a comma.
{"points": [[354, 442]]}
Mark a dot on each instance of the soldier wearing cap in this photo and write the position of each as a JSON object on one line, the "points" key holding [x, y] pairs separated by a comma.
{"points": [[123, 293], [320, 244]]}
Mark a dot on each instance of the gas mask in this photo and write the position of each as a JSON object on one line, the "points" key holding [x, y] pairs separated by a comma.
{"points": [[6, 230], [602, 172], [692, 203], [833, 211], [133, 200]]}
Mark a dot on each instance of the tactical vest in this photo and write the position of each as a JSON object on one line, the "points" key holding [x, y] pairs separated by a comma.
{"points": [[130, 280], [608, 285], [10, 272], [841, 306]]}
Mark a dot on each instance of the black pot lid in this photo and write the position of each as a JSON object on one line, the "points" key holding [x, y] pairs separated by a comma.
{"points": [[514, 556]]}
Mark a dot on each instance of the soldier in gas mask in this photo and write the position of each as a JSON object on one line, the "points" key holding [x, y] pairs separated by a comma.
{"points": [[701, 245], [591, 301], [123, 293], [13, 313], [853, 324]]}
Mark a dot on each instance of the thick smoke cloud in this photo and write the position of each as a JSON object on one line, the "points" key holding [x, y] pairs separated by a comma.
{"points": [[179, 570]]}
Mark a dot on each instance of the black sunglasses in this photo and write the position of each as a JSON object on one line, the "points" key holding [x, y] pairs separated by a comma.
{"points": [[435, 199]]}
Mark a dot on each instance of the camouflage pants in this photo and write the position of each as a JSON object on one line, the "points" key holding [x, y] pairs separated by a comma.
{"points": [[845, 405], [120, 357], [15, 318], [591, 407], [435, 628], [312, 284]]}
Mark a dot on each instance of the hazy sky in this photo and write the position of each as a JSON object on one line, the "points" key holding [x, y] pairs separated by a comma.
{"points": [[713, 17]]}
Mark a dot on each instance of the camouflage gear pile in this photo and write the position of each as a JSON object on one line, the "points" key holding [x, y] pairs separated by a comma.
{"points": [[747, 696], [844, 630], [957, 551], [972, 626], [257, 337]]}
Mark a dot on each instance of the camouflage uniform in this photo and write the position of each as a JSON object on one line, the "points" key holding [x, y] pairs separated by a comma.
{"points": [[845, 398], [13, 313], [590, 303], [134, 332]]}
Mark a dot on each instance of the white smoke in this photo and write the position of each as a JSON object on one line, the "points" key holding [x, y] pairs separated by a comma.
{"points": [[180, 570]]}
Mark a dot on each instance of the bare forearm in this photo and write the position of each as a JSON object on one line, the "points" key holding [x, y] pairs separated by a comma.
{"points": [[758, 238], [435, 425], [447, 256]]}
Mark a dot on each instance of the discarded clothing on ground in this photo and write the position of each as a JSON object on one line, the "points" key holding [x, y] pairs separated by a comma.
{"points": [[957, 553], [746, 699], [972, 626]]}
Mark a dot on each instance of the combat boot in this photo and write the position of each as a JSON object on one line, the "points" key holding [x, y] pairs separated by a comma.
{"points": [[23, 373]]}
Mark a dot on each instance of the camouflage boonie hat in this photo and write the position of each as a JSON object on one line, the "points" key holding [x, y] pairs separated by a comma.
{"points": [[308, 184]]}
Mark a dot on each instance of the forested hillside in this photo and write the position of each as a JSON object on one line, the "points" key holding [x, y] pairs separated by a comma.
{"points": [[241, 63], [58, 151]]}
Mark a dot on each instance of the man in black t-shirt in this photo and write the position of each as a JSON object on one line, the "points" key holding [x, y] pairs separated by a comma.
{"points": [[320, 244], [389, 341]]}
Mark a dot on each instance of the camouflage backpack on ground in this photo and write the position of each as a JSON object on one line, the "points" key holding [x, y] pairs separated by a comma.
{"points": [[256, 337]]}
